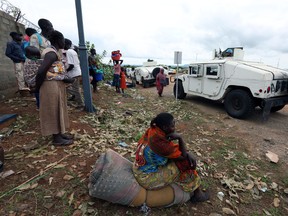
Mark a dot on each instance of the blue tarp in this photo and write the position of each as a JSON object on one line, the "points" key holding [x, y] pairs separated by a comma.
{"points": [[6, 117]]}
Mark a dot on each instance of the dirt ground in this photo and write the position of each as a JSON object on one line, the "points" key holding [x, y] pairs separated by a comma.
{"points": [[231, 153]]}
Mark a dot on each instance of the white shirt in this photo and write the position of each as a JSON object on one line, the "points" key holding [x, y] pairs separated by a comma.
{"points": [[72, 58]]}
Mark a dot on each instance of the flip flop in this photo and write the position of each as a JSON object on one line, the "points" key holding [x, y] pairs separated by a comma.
{"points": [[205, 195]]}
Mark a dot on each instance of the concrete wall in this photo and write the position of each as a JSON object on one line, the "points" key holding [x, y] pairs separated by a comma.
{"points": [[8, 82]]}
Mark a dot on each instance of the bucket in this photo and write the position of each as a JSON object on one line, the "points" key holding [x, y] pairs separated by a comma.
{"points": [[116, 55], [99, 76]]}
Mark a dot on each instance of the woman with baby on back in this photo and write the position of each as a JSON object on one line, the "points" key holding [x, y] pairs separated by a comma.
{"points": [[53, 101]]}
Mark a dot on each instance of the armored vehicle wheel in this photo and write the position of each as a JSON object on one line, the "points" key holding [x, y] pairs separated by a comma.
{"points": [[181, 93], [239, 104], [277, 108], [155, 71], [144, 83]]}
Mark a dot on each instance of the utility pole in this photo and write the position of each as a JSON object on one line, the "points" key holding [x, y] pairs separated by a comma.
{"points": [[84, 60], [177, 60]]}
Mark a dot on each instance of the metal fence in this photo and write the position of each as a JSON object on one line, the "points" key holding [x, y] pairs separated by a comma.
{"points": [[15, 12]]}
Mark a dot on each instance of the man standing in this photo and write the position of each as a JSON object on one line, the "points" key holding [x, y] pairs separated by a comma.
{"points": [[16, 54], [74, 71]]}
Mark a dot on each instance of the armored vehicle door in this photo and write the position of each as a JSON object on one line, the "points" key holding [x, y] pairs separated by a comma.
{"points": [[195, 78], [212, 79]]}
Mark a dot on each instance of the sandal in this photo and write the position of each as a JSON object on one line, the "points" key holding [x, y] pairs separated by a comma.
{"points": [[63, 142], [200, 196], [67, 136]]}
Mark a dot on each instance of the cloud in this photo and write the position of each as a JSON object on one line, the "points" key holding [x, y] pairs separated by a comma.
{"points": [[155, 29]]}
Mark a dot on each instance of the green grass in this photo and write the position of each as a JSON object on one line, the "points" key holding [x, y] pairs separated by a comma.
{"points": [[275, 212], [285, 180], [241, 160]]}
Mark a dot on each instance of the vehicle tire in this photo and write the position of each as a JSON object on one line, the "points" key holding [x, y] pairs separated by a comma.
{"points": [[155, 71], [276, 108], [135, 78], [239, 104], [144, 83], [181, 93]]}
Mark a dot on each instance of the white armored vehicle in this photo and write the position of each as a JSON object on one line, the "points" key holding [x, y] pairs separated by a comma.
{"points": [[146, 75], [240, 85]]}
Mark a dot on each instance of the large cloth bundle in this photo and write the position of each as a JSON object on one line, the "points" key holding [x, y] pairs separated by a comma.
{"points": [[112, 180]]}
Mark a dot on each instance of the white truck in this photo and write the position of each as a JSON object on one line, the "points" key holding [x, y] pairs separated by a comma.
{"points": [[240, 85], [146, 74]]}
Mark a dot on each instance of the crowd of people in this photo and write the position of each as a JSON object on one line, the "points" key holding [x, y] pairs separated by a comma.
{"points": [[58, 72], [162, 162]]}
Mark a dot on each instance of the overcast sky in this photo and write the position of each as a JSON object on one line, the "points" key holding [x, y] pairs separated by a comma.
{"points": [[156, 28]]}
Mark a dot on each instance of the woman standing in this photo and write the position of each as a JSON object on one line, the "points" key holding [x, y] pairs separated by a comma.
{"points": [[160, 82], [53, 102], [116, 77]]}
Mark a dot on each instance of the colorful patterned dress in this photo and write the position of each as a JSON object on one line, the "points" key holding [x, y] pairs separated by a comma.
{"points": [[154, 167]]}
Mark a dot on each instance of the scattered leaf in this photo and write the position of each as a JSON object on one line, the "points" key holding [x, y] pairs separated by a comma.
{"points": [[60, 194], [60, 166], [71, 198], [214, 214], [6, 173], [228, 211], [34, 185], [50, 180], [267, 212], [68, 177], [276, 202], [274, 186], [24, 187]]}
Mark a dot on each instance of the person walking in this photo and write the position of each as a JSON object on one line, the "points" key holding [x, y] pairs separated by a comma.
{"points": [[74, 71], [160, 82], [15, 52]]}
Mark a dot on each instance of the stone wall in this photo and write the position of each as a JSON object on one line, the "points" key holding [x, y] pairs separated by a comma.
{"points": [[8, 82]]}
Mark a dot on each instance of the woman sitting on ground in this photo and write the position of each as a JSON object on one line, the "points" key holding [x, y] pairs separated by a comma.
{"points": [[161, 162]]}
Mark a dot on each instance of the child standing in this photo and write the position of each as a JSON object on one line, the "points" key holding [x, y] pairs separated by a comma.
{"points": [[122, 80]]}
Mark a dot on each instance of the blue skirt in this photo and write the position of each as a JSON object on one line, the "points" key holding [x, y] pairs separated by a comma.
{"points": [[116, 80]]}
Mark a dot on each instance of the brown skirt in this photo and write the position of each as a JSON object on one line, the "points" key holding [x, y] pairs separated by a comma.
{"points": [[53, 108]]}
